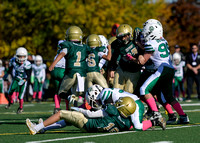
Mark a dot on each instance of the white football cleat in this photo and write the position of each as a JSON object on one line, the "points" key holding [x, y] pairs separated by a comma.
{"points": [[31, 126]]}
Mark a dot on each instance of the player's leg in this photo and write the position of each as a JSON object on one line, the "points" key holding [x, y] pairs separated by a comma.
{"points": [[40, 85], [35, 89], [65, 86], [22, 90], [119, 80], [132, 80], [75, 118], [100, 79], [147, 87], [166, 88], [12, 88]]}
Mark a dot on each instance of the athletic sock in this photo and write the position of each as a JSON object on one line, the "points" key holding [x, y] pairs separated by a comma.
{"points": [[67, 104], [152, 104], [21, 101], [39, 127], [146, 124], [34, 95], [57, 101], [168, 107], [40, 95], [178, 108]]}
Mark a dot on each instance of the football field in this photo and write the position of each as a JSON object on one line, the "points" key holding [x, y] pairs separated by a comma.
{"points": [[14, 130]]}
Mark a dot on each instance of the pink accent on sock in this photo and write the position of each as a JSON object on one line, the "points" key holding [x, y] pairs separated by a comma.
{"points": [[57, 101], [152, 104], [168, 107], [146, 124], [178, 108], [40, 95], [21, 101], [34, 95], [67, 104]]}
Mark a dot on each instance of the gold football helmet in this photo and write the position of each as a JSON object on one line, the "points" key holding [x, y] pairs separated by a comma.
{"points": [[74, 33], [126, 106], [111, 40], [123, 30], [93, 40]]}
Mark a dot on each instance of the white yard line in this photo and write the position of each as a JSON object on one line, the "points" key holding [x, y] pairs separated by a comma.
{"points": [[101, 135]]}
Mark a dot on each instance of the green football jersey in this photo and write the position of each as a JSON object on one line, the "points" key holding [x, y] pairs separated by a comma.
{"points": [[94, 58], [111, 123], [75, 57], [122, 50]]}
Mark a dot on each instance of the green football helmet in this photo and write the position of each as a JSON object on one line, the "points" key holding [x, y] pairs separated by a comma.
{"points": [[93, 40], [74, 33], [123, 30], [126, 106]]}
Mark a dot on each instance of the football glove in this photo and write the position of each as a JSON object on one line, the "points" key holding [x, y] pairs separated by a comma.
{"points": [[129, 57]]}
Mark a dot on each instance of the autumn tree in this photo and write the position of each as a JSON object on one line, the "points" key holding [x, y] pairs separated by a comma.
{"points": [[184, 24], [38, 25]]}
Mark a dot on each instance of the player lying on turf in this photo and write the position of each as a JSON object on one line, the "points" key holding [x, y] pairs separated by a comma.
{"points": [[117, 118], [91, 96], [97, 96]]}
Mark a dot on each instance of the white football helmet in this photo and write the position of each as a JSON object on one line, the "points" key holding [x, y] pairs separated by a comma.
{"points": [[152, 21], [152, 32], [21, 55], [38, 60], [176, 58], [91, 96], [104, 41]]}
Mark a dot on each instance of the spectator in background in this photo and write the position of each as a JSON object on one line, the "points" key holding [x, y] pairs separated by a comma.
{"points": [[178, 50], [114, 29], [193, 71]]}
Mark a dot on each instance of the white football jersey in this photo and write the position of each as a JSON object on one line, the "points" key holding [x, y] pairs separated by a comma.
{"points": [[1, 71], [19, 69], [39, 71], [179, 69], [61, 63], [161, 54], [115, 93]]}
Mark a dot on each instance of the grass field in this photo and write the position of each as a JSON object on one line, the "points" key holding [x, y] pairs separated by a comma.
{"points": [[14, 130]]}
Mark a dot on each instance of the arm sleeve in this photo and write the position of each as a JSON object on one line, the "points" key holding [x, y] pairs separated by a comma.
{"points": [[112, 65], [135, 118], [43, 74], [93, 114]]}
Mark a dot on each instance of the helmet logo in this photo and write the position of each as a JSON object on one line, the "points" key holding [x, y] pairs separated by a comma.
{"points": [[151, 28]]}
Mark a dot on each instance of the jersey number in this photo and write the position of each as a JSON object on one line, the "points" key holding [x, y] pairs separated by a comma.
{"points": [[91, 62], [77, 63], [164, 49]]}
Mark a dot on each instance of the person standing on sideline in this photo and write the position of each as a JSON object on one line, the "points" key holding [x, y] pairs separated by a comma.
{"points": [[193, 71]]}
